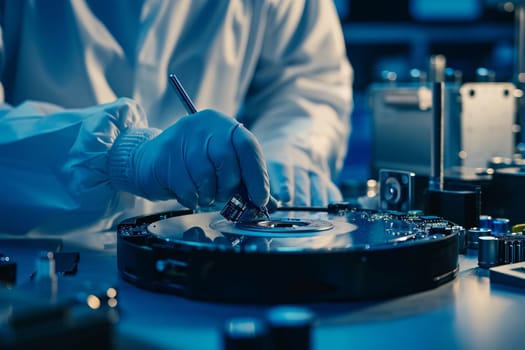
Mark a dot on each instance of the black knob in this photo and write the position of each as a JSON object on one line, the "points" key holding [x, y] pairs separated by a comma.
{"points": [[290, 327], [488, 253]]}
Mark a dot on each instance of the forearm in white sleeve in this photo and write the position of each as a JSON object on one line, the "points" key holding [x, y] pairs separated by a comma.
{"points": [[54, 166], [301, 95]]}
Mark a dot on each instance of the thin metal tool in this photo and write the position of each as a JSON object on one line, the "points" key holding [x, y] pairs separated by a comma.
{"points": [[437, 169], [183, 95], [239, 207]]}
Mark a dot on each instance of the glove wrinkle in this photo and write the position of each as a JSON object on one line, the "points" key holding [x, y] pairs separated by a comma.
{"points": [[251, 161], [171, 174], [225, 164], [207, 186], [213, 192], [190, 196]]}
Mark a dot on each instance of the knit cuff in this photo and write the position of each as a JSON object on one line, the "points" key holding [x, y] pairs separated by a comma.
{"points": [[120, 157]]}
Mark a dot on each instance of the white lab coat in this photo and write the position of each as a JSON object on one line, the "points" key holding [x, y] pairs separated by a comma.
{"points": [[279, 66]]}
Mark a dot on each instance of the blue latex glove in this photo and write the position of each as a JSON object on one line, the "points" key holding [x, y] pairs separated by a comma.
{"points": [[295, 181], [201, 159]]}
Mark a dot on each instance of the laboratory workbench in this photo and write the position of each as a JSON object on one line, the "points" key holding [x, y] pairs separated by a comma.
{"points": [[469, 312]]}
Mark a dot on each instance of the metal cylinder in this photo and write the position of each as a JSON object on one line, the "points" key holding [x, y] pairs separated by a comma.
{"points": [[507, 251], [519, 250], [438, 64], [290, 327], [438, 137], [462, 238], [473, 235], [519, 43], [488, 253], [500, 226]]}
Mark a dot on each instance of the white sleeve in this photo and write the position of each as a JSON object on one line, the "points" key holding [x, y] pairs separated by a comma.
{"points": [[302, 87], [64, 169]]}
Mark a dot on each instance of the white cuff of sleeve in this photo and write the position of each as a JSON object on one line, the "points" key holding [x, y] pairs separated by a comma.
{"points": [[120, 157]]}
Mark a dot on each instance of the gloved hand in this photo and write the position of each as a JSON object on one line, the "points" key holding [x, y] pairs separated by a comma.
{"points": [[200, 159], [295, 180]]}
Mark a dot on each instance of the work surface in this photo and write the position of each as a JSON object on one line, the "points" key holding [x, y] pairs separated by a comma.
{"points": [[466, 313]]}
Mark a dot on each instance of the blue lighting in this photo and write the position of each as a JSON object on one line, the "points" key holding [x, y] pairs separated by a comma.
{"points": [[457, 10]]}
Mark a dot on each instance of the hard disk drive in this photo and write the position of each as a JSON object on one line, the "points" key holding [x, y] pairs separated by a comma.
{"points": [[299, 255]]}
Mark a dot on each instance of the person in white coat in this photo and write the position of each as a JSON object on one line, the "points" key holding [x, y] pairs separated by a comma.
{"points": [[91, 131]]}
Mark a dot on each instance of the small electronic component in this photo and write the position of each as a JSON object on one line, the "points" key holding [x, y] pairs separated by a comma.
{"points": [[7, 271], [501, 249], [64, 263], [240, 209], [37, 322], [51, 312], [396, 190]]}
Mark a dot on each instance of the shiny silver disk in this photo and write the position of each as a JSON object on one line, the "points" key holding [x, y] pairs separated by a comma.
{"points": [[278, 227], [287, 225], [284, 232]]}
